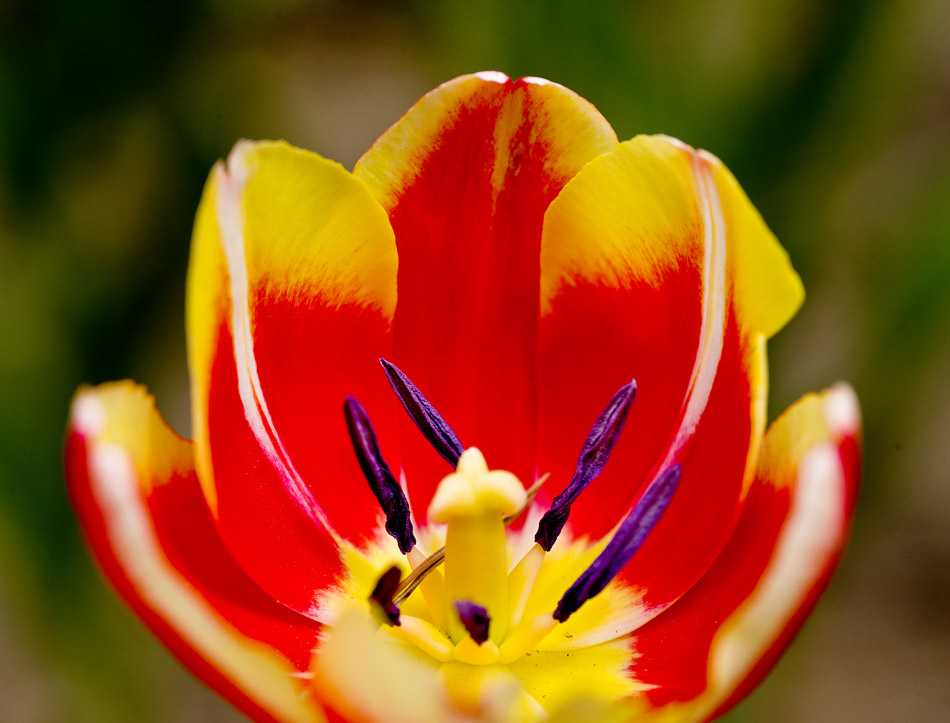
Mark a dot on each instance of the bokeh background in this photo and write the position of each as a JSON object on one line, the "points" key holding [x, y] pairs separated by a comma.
{"points": [[834, 116]]}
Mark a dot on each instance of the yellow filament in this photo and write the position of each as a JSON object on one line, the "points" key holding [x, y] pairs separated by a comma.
{"points": [[468, 651], [433, 590], [425, 636], [521, 581], [525, 637]]}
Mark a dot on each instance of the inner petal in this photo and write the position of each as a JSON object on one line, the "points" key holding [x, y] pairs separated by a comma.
{"points": [[646, 258], [466, 177], [291, 289], [622, 281]]}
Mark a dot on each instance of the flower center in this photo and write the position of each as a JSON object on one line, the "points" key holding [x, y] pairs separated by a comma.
{"points": [[473, 614], [475, 607]]}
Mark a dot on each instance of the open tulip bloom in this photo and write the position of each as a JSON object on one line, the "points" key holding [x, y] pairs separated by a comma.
{"points": [[479, 430]]}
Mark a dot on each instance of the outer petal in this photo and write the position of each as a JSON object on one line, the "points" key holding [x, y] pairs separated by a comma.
{"points": [[291, 293], [466, 177], [647, 268], [717, 642], [134, 487]]}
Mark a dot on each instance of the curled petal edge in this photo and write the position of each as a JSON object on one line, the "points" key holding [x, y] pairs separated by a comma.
{"points": [[752, 640], [119, 452]]}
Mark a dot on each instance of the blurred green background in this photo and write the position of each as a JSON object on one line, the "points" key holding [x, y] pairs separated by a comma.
{"points": [[834, 116]]}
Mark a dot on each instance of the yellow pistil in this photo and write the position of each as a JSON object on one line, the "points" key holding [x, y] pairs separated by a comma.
{"points": [[474, 502]]}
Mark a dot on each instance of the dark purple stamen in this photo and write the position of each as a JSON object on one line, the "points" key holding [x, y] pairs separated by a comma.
{"points": [[590, 463], [381, 481], [429, 422], [383, 594], [475, 619], [628, 539]]}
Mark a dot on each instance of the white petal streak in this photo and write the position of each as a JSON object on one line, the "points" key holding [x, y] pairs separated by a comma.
{"points": [[260, 673], [714, 309], [810, 538], [231, 221], [705, 366]]}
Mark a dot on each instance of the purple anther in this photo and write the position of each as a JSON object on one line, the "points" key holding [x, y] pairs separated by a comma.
{"points": [[383, 594], [590, 463], [625, 543], [381, 481], [429, 422], [475, 619]]}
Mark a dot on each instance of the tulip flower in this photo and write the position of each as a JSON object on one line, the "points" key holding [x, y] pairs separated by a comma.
{"points": [[479, 430]]}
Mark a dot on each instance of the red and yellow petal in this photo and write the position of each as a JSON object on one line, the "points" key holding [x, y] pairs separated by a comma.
{"points": [[134, 487], [291, 295], [466, 176], [716, 643], [645, 262]]}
